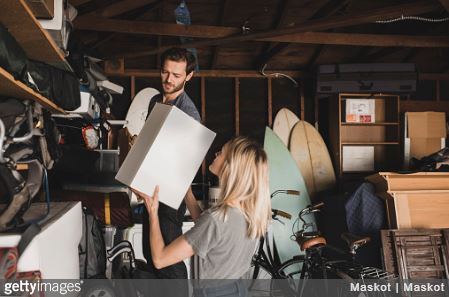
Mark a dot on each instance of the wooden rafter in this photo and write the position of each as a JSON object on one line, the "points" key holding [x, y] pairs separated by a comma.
{"points": [[314, 57], [152, 28], [314, 25], [134, 15], [224, 6], [122, 7], [328, 9], [271, 49], [380, 53], [411, 54], [382, 40], [155, 28], [160, 17], [204, 73], [445, 3], [365, 40], [78, 2]]}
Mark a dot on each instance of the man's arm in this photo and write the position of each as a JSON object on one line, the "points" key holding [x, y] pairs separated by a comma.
{"points": [[192, 204]]}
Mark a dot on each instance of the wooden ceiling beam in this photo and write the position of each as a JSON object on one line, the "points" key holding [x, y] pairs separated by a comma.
{"points": [[270, 50], [381, 40], [154, 28], [78, 2], [445, 3], [224, 6], [316, 54], [133, 15], [121, 7], [410, 55], [208, 73], [373, 15], [328, 9]]}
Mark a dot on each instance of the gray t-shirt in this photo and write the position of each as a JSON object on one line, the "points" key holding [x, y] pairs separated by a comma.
{"points": [[224, 249]]}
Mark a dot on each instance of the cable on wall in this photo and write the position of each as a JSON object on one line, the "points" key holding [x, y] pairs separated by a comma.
{"points": [[278, 74], [413, 18]]}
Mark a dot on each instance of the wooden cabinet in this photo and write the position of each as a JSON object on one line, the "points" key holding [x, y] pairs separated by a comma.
{"points": [[38, 45], [360, 148]]}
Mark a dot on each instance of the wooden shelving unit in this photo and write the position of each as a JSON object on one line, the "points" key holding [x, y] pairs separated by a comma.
{"points": [[11, 87], [381, 136], [38, 45], [21, 23]]}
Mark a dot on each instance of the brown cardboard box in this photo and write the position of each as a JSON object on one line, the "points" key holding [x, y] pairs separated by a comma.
{"points": [[425, 133], [419, 200], [42, 9]]}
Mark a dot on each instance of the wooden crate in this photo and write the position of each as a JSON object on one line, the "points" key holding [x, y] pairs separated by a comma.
{"points": [[422, 181], [416, 253], [419, 200]]}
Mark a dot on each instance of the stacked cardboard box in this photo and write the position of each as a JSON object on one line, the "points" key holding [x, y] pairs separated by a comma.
{"points": [[425, 133]]}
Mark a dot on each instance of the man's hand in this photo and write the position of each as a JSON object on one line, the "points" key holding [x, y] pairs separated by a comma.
{"points": [[151, 202]]}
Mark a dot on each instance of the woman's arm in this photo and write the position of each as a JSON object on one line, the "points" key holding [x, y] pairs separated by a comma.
{"points": [[192, 204], [162, 255]]}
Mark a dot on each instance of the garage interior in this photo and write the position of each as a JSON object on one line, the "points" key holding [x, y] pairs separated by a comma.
{"points": [[321, 60]]}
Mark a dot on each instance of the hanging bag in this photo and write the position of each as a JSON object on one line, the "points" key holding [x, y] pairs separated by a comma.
{"points": [[12, 57]]}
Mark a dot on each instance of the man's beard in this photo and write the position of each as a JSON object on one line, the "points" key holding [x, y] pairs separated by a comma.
{"points": [[175, 89]]}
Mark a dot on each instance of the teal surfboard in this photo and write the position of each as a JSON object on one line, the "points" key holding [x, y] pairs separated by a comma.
{"points": [[285, 175]]}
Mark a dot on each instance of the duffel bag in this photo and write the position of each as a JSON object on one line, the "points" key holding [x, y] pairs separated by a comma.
{"points": [[12, 56]]}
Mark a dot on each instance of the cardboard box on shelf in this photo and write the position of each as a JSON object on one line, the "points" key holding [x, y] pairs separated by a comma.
{"points": [[360, 111], [358, 158], [168, 152], [419, 200], [425, 133]]}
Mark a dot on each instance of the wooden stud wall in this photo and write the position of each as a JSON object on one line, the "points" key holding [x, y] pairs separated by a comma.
{"points": [[237, 105], [270, 102]]}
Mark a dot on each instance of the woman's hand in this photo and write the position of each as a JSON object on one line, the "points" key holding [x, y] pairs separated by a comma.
{"points": [[151, 202]]}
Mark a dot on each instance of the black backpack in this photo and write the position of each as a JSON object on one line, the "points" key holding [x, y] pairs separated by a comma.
{"points": [[61, 87], [92, 249]]}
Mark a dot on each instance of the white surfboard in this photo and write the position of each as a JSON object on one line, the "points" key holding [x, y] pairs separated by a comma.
{"points": [[283, 124], [138, 111], [312, 157]]}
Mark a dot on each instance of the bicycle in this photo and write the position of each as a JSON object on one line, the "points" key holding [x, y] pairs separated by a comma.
{"points": [[313, 265], [265, 260]]}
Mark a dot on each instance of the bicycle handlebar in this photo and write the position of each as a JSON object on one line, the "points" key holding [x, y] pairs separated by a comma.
{"points": [[277, 212], [288, 192], [311, 208]]}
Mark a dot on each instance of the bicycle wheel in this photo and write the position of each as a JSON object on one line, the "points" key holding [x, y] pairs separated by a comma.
{"points": [[261, 276], [292, 268], [289, 274]]}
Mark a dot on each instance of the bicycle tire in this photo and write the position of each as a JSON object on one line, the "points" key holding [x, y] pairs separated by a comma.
{"points": [[259, 272], [291, 268]]}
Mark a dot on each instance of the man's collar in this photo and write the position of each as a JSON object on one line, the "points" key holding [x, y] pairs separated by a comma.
{"points": [[174, 101]]}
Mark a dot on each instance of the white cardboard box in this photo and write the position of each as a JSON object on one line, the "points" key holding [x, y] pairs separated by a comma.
{"points": [[54, 251], [358, 158], [168, 152]]}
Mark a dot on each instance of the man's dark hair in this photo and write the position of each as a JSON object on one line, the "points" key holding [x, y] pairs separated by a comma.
{"points": [[178, 55]]}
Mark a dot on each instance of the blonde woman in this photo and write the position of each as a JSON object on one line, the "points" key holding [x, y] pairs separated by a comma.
{"points": [[225, 236]]}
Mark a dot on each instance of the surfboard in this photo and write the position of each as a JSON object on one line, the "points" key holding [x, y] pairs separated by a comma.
{"points": [[312, 157], [138, 111], [284, 121], [285, 175]]}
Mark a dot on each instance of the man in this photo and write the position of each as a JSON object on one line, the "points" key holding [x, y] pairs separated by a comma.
{"points": [[177, 69]]}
